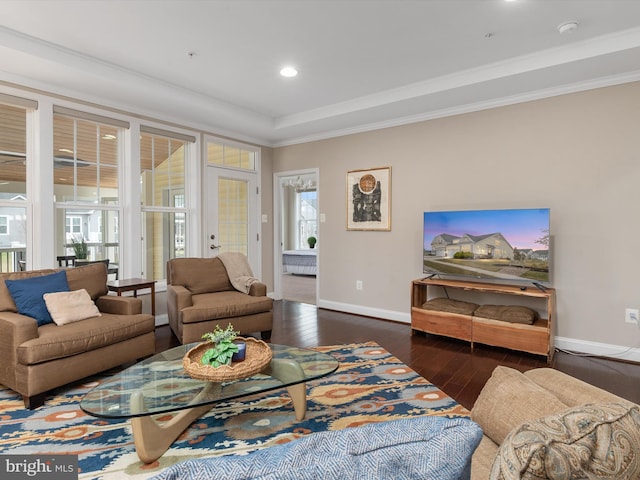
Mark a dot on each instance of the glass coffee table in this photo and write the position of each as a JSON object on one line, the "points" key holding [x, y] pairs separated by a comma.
{"points": [[159, 385]]}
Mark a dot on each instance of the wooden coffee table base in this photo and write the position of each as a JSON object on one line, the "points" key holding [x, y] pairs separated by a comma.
{"points": [[152, 439]]}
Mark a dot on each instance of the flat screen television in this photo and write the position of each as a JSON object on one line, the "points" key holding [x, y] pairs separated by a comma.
{"points": [[501, 245]]}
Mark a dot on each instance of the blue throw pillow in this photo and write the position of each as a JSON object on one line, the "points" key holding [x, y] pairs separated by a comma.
{"points": [[28, 294]]}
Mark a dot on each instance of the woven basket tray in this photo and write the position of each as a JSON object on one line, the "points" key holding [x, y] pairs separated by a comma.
{"points": [[257, 356]]}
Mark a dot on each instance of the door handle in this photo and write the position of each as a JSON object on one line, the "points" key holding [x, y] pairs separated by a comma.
{"points": [[213, 246]]}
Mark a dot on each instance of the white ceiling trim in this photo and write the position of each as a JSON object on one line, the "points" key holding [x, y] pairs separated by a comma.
{"points": [[194, 109], [473, 107], [602, 45], [72, 58], [85, 63], [18, 83]]}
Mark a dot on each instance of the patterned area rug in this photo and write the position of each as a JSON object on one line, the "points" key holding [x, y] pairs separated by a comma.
{"points": [[371, 385]]}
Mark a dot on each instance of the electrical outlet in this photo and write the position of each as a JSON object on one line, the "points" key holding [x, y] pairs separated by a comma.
{"points": [[359, 285], [631, 315]]}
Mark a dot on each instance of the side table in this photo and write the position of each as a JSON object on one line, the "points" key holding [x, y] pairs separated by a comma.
{"points": [[133, 285]]}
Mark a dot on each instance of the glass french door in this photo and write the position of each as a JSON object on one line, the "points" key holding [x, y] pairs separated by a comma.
{"points": [[232, 217]]}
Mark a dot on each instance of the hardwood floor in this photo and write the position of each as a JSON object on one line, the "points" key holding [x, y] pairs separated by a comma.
{"points": [[447, 363]]}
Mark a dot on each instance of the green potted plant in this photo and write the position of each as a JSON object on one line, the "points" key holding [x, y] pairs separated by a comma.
{"points": [[80, 249], [223, 349], [312, 241]]}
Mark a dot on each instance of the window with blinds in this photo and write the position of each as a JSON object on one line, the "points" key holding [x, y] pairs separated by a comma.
{"points": [[87, 154], [163, 157]]}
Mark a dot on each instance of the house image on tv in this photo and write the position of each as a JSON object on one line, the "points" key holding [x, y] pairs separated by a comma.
{"points": [[541, 255], [492, 245]]}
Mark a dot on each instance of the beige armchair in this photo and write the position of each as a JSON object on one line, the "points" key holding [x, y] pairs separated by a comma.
{"points": [[200, 296]]}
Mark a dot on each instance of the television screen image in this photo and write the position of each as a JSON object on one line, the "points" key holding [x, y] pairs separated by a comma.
{"points": [[502, 245]]}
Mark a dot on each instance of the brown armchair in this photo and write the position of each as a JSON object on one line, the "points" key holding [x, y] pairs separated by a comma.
{"points": [[200, 296]]}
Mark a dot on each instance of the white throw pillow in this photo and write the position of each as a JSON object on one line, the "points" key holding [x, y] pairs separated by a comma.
{"points": [[68, 307]]}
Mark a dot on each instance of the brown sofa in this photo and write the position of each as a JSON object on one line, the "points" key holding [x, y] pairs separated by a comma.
{"points": [[200, 296], [35, 359], [528, 419]]}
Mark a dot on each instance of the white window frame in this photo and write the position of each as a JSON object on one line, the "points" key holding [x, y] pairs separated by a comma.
{"points": [[40, 203], [190, 195], [70, 227]]}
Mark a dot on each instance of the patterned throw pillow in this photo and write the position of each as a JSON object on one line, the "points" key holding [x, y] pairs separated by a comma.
{"points": [[589, 441]]}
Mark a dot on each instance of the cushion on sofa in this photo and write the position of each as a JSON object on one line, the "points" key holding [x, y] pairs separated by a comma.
{"points": [[214, 306], [451, 306], [28, 294], [508, 399], [482, 459], [431, 448], [589, 441], [200, 275], [571, 391], [91, 277], [6, 302], [68, 307], [80, 337], [507, 313]]}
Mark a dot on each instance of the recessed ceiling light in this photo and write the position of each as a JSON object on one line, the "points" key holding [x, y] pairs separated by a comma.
{"points": [[288, 72]]}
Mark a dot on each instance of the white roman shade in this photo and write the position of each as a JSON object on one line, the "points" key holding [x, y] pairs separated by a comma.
{"points": [[167, 133], [18, 101], [79, 114]]}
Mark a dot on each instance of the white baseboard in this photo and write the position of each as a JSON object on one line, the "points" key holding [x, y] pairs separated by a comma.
{"points": [[582, 346], [366, 311], [162, 320], [618, 352]]}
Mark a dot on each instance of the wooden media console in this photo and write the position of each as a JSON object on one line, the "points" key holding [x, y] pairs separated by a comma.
{"points": [[536, 338]]}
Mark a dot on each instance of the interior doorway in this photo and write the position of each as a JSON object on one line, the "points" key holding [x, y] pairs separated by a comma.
{"points": [[296, 196]]}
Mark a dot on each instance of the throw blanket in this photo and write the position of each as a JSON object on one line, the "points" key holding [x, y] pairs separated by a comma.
{"points": [[239, 271], [425, 448]]}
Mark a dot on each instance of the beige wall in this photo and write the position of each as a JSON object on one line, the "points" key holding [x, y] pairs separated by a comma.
{"points": [[577, 154]]}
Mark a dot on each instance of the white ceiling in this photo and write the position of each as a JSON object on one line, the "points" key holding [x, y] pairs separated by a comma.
{"points": [[363, 64]]}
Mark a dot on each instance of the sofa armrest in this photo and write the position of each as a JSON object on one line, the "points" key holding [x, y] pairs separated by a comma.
{"points": [[119, 305], [258, 289], [178, 297], [570, 390], [15, 329]]}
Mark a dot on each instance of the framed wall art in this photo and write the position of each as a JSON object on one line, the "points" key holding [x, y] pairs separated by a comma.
{"points": [[369, 199]]}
